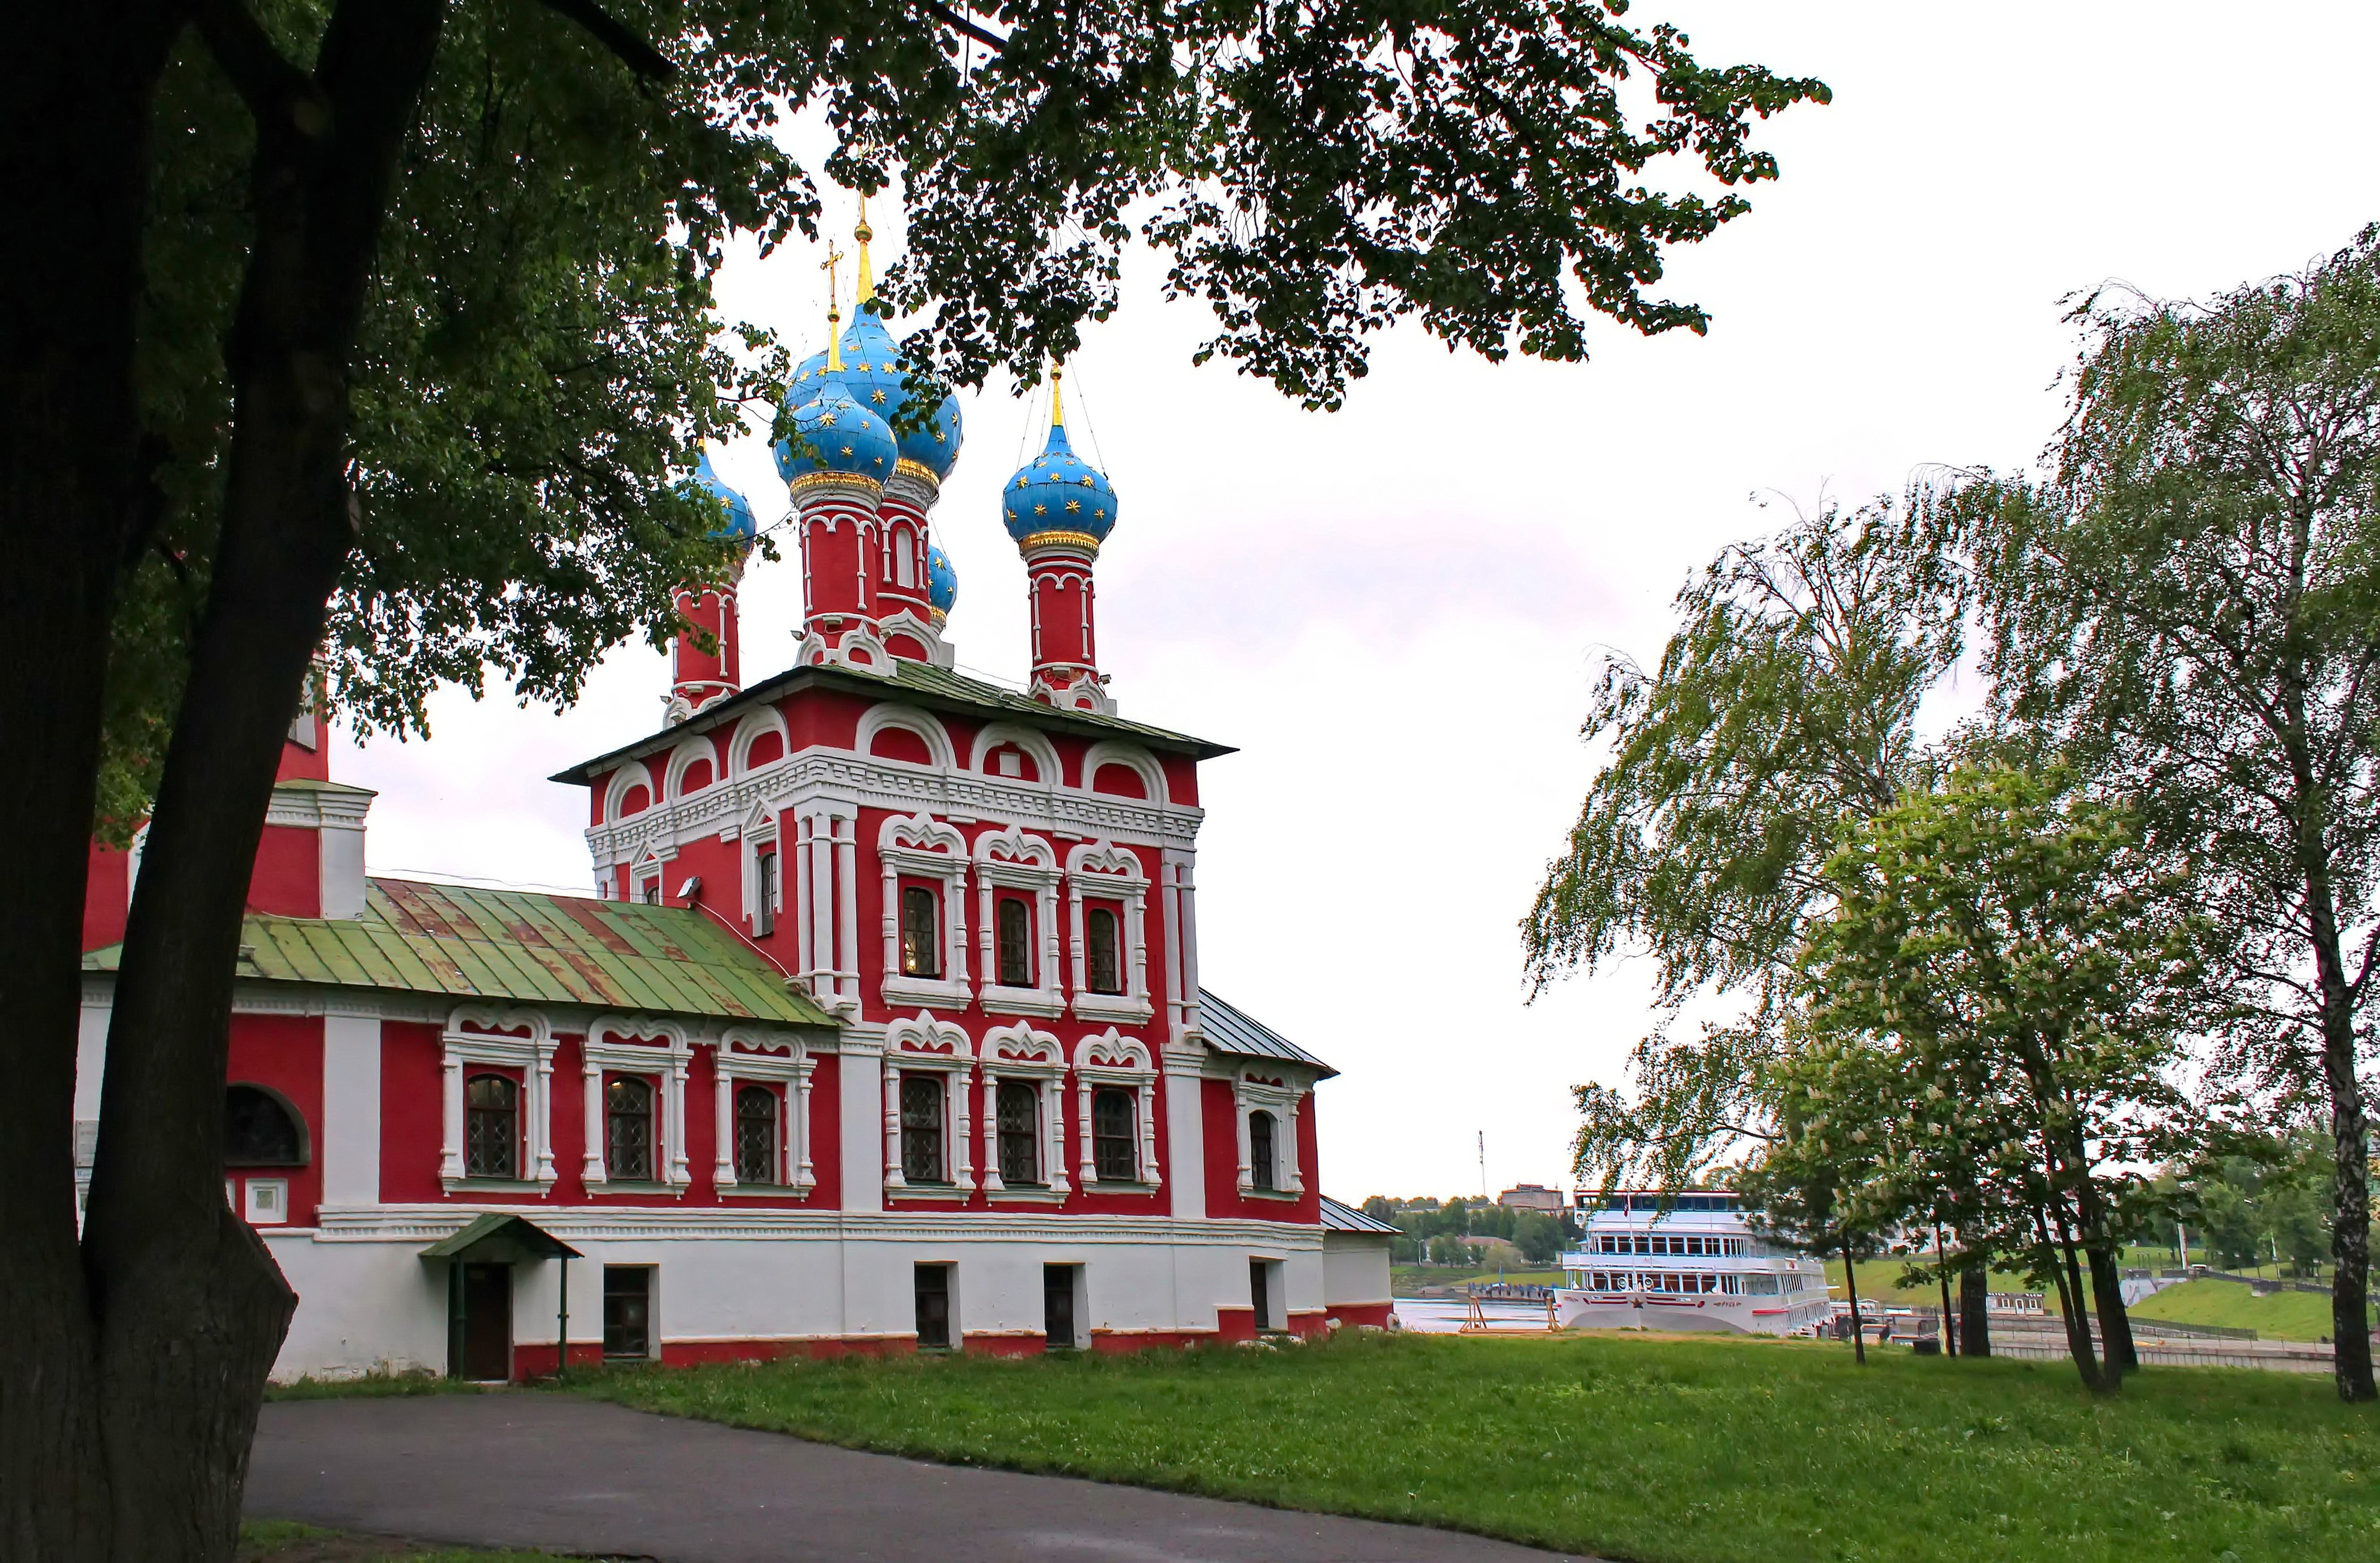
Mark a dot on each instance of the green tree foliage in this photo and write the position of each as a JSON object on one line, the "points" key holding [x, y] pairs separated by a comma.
{"points": [[1783, 709], [2189, 602], [1537, 1235], [385, 324], [2267, 1202], [2017, 950]]}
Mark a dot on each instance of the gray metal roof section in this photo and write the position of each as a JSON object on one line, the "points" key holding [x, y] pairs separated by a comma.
{"points": [[1229, 1029], [1338, 1218]]}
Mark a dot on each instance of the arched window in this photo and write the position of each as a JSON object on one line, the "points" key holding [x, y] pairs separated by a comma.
{"points": [[1260, 1152], [756, 1134], [1115, 1139], [1015, 927], [921, 933], [261, 1130], [490, 1126], [904, 556], [1106, 966], [921, 1129], [628, 1131], [1020, 1132]]}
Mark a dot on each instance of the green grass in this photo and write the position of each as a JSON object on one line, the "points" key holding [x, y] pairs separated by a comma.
{"points": [[2285, 1315], [284, 1541], [1640, 1448]]}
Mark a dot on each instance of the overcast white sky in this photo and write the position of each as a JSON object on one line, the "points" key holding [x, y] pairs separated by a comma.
{"points": [[1401, 648]]}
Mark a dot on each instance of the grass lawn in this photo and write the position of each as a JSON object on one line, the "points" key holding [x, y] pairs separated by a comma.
{"points": [[282, 1540], [1658, 1450], [2285, 1315]]}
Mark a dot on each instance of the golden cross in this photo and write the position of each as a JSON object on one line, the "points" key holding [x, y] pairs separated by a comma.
{"points": [[834, 258]]}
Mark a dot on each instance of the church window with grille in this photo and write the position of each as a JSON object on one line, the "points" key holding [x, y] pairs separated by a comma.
{"points": [[261, 1130], [490, 1126], [764, 894], [1261, 1171], [921, 1129], [628, 1130], [1115, 1137], [1014, 921], [1020, 1132], [921, 933], [1106, 963], [756, 1134]]}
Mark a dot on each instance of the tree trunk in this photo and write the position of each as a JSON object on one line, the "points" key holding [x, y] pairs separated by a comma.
{"points": [[1942, 1277], [1975, 1309], [2068, 1278], [2115, 1319], [1851, 1290], [76, 85], [2350, 1131], [195, 1308]]}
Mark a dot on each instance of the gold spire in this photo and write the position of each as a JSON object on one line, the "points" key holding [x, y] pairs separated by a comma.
{"points": [[834, 311], [866, 270], [1057, 396]]}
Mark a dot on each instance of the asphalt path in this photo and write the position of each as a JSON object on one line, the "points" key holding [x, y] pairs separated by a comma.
{"points": [[552, 1470]]}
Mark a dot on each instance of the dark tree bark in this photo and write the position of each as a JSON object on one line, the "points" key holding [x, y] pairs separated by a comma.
{"points": [[1851, 1290], [194, 1307], [2115, 1319], [1975, 1309], [2068, 1277], [76, 87]]}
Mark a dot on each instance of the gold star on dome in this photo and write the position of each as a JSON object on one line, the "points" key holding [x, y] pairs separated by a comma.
{"points": [[826, 421], [1020, 480], [1100, 515], [1086, 482], [878, 395], [1040, 510], [846, 450], [1073, 506], [939, 437]]}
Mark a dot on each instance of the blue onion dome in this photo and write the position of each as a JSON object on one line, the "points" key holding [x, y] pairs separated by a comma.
{"points": [[875, 370], [738, 523], [941, 582], [1059, 491], [835, 434]]}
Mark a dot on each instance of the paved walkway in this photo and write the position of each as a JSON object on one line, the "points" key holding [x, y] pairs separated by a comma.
{"points": [[540, 1469]]}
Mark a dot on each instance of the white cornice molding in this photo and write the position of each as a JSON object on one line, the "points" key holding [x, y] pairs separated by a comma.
{"points": [[426, 1224], [901, 786]]}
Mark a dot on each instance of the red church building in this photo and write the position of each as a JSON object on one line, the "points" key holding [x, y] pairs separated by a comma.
{"points": [[882, 1029]]}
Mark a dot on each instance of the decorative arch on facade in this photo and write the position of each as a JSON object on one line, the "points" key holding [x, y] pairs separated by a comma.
{"points": [[1035, 745], [755, 725], [648, 867], [927, 1044], [636, 1045], [1104, 870], [630, 773], [683, 758], [925, 725], [1037, 1058], [780, 1061], [1133, 757], [1112, 1057], [504, 1038], [922, 846]]}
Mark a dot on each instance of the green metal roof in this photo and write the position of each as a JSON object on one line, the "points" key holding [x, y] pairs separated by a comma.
{"points": [[523, 946], [500, 1237], [919, 682]]}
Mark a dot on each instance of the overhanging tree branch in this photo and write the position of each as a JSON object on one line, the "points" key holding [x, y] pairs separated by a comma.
{"points": [[607, 30], [262, 76]]}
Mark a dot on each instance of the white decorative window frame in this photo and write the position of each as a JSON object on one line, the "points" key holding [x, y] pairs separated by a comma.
{"points": [[750, 731], [761, 835], [682, 759], [920, 723], [1049, 773], [653, 868], [1016, 859], [789, 1066], [1252, 1092], [924, 1043], [1110, 1057], [491, 1043], [924, 847], [1019, 1052], [1109, 872], [633, 773], [668, 1061]]}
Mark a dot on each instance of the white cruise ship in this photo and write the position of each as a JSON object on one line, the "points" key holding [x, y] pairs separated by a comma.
{"points": [[1686, 1261]]}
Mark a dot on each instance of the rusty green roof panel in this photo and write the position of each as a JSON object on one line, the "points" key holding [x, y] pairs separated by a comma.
{"points": [[522, 946]]}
